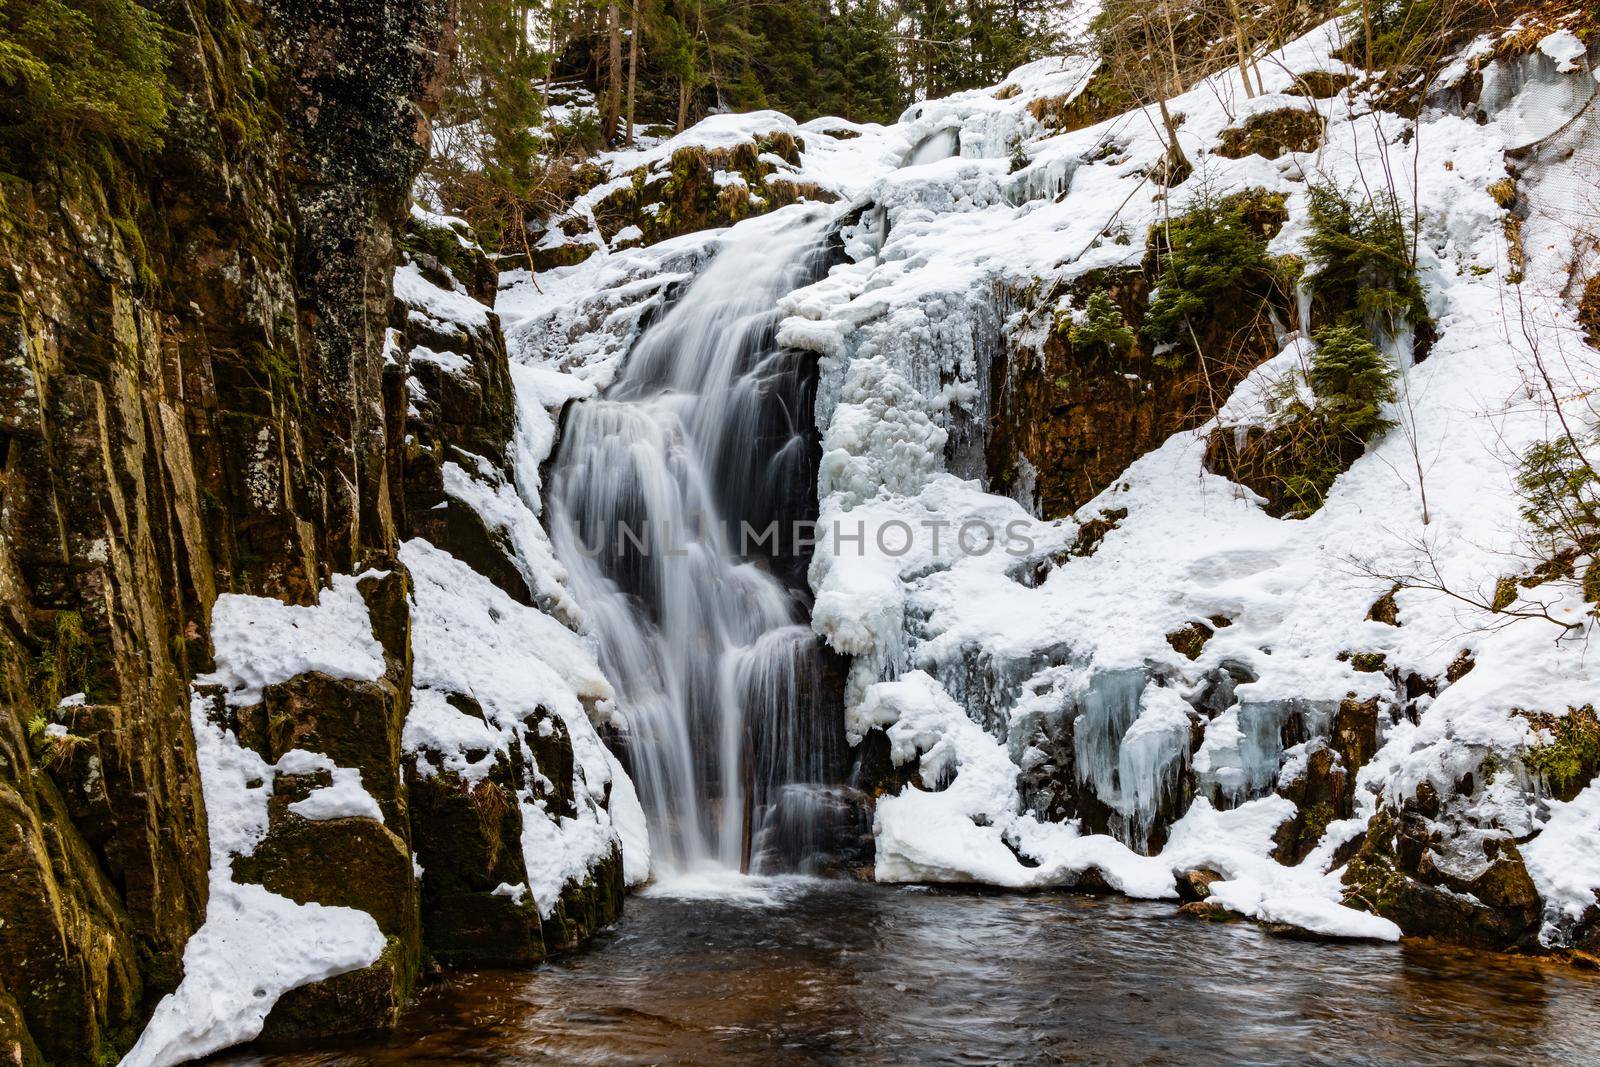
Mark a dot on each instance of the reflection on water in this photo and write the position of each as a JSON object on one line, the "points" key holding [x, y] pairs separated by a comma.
{"points": [[821, 972]]}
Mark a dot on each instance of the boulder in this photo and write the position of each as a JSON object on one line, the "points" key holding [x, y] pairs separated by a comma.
{"points": [[1195, 884]]}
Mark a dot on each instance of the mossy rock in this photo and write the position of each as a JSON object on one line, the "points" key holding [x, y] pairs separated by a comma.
{"points": [[1321, 793], [1365, 662], [16, 1044], [1321, 84], [1101, 99], [586, 906], [1272, 133], [1195, 884], [468, 840], [1571, 758], [67, 954], [354, 722], [484, 930], [364, 1001], [1190, 640], [1394, 874], [1385, 609], [349, 862], [1589, 310], [453, 247], [1092, 532]]}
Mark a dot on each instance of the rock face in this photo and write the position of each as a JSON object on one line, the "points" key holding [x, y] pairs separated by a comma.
{"points": [[199, 394], [1072, 416], [1427, 867], [449, 362]]}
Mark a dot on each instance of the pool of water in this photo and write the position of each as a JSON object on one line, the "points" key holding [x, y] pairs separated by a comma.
{"points": [[826, 972]]}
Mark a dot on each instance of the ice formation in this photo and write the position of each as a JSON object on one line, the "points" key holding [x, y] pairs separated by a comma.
{"points": [[966, 666]]}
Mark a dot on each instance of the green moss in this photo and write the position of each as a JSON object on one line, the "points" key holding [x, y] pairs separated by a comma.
{"points": [[1314, 821], [1368, 662], [1571, 758], [65, 666]]}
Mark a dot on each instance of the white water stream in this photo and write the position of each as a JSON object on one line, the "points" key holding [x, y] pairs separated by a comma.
{"points": [[708, 649]]}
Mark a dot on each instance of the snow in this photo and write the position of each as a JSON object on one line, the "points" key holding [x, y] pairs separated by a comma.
{"points": [[254, 945], [258, 641], [906, 334], [1564, 47], [1564, 860], [344, 799], [470, 637], [441, 306]]}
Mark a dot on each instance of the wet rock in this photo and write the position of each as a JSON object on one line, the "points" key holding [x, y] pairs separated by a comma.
{"points": [[1091, 881], [467, 837], [67, 950], [1195, 884], [1438, 877], [586, 906], [346, 1005]]}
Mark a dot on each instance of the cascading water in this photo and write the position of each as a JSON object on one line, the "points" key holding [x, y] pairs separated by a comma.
{"points": [[703, 436]]}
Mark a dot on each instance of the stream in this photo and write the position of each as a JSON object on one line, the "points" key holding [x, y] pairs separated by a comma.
{"points": [[806, 971]]}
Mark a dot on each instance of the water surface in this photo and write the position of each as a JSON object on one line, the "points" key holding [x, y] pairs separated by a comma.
{"points": [[818, 972]]}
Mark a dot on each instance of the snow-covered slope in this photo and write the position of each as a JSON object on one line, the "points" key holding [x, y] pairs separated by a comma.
{"points": [[976, 668]]}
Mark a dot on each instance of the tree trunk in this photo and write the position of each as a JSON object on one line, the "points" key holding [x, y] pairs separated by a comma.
{"points": [[1239, 42], [633, 60], [1178, 165], [608, 120], [683, 103]]}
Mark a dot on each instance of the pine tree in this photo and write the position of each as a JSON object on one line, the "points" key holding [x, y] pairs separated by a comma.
{"points": [[1351, 380], [71, 67]]}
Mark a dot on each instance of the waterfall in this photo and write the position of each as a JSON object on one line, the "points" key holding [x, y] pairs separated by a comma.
{"points": [[701, 629]]}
